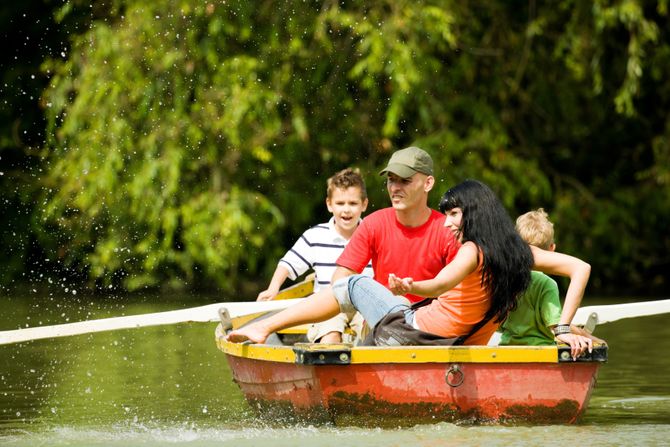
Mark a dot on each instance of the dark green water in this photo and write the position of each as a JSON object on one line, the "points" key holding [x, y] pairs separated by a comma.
{"points": [[170, 385]]}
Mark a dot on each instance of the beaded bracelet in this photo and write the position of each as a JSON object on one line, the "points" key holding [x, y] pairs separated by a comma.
{"points": [[560, 329]]}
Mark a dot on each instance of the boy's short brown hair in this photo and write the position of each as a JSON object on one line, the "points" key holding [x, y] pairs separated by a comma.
{"points": [[344, 179], [536, 229]]}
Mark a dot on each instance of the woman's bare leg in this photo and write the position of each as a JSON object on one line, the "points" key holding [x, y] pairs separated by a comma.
{"points": [[318, 307]]}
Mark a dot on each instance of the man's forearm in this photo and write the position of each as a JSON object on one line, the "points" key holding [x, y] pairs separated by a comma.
{"points": [[341, 272]]}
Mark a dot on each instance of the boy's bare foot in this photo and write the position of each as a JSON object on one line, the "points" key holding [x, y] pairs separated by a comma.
{"points": [[254, 332]]}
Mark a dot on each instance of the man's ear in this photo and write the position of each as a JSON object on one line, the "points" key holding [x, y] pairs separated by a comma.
{"points": [[429, 183]]}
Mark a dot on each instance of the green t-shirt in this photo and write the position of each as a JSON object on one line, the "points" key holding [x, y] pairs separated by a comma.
{"points": [[538, 308]]}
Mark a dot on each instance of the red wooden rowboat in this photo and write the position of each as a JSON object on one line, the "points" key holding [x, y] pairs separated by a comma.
{"points": [[384, 386]]}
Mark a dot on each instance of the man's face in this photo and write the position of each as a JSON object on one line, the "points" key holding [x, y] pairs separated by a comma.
{"points": [[408, 193]]}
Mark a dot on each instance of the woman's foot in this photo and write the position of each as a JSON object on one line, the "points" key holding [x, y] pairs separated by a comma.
{"points": [[254, 332]]}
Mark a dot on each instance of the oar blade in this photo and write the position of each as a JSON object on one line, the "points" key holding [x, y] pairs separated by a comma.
{"points": [[613, 312]]}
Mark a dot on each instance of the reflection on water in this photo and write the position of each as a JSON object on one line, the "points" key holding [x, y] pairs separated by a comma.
{"points": [[152, 386], [420, 436]]}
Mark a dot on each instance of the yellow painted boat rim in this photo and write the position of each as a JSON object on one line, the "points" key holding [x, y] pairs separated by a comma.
{"points": [[345, 354]]}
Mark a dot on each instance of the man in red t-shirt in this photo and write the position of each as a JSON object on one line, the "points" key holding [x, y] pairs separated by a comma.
{"points": [[407, 239]]}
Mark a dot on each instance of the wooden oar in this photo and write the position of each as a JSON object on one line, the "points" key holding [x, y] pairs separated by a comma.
{"points": [[206, 313], [590, 316], [285, 298]]}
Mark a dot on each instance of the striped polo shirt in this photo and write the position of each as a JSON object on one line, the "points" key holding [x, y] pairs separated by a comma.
{"points": [[317, 249]]}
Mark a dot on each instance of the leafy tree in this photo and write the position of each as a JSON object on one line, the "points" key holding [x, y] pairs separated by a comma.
{"points": [[188, 142]]}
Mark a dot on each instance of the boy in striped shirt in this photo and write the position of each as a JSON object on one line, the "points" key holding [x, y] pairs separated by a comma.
{"points": [[319, 247]]}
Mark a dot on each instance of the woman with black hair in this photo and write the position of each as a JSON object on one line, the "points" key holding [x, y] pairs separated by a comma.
{"points": [[482, 282]]}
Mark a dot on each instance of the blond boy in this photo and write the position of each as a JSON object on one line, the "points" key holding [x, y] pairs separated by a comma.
{"points": [[539, 319]]}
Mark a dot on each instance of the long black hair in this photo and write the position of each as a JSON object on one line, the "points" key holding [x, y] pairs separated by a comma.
{"points": [[507, 258]]}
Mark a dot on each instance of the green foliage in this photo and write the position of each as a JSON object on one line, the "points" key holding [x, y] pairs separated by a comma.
{"points": [[151, 121], [189, 142]]}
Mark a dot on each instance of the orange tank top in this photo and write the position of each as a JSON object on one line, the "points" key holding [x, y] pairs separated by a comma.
{"points": [[457, 310]]}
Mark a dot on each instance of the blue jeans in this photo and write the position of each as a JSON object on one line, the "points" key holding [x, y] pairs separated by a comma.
{"points": [[370, 298]]}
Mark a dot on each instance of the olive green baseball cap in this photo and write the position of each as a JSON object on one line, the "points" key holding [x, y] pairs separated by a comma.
{"points": [[407, 162]]}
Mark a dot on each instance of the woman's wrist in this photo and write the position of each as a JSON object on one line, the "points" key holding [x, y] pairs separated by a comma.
{"points": [[561, 329]]}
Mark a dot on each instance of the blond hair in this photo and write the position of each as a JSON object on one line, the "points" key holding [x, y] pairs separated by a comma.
{"points": [[344, 179], [536, 229]]}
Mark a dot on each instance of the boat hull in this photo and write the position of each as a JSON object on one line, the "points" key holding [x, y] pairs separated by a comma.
{"points": [[399, 394], [373, 386]]}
